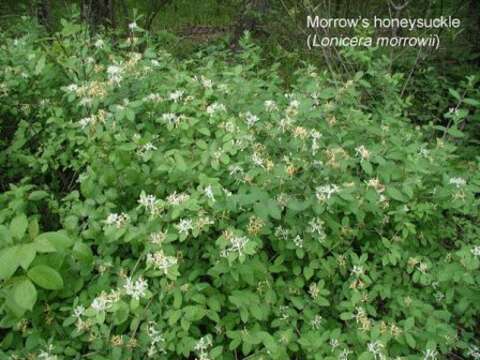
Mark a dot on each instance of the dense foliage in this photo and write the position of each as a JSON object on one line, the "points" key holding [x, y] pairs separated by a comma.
{"points": [[198, 209]]}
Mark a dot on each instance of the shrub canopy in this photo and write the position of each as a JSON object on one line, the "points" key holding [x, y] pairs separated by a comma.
{"points": [[198, 208]]}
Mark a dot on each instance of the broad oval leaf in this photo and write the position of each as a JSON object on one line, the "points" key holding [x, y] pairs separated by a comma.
{"points": [[25, 294], [18, 226], [46, 277]]}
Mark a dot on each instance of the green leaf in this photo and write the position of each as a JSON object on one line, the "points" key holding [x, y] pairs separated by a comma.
{"points": [[297, 205], [472, 102], [410, 340], [9, 262], [274, 210], [37, 195], [180, 162], [327, 93], [82, 252], [58, 239], [26, 253], [18, 226], [174, 316], [346, 316], [216, 352], [121, 314], [40, 65], [25, 294], [366, 356], [46, 277], [308, 272], [177, 299], [5, 235], [204, 131], [367, 167], [44, 246], [454, 93], [395, 194], [455, 133], [261, 210]]}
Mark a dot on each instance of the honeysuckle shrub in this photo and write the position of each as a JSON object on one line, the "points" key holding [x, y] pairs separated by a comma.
{"points": [[197, 209]]}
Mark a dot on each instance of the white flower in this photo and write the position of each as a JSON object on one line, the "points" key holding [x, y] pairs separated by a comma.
{"points": [[145, 149], [457, 181], [251, 119], [117, 219], [160, 261], [430, 354], [316, 322], [184, 226], [215, 107], [358, 270], [155, 339], [154, 97], [316, 226], [294, 104], [170, 118], [101, 303], [224, 88], [47, 355], [270, 105], [422, 267], [207, 83], [281, 233], [133, 26], [71, 88], [99, 44], [78, 311], [113, 70], [177, 199], [376, 184], [115, 73], [326, 191], [474, 352], [298, 241], [176, 95], [475, 251], [257, 159], [238, 243], [334, 343], [315, 137], [424, 152], [439, 296], [362, 152], [86, 121], [344, 354], [150, 203], [235, 169], [313, 290], [158, 238], [208, 191], [375, 348], [136, 289], [203, 344]]}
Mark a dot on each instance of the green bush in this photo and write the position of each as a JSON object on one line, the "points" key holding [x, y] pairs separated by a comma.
{"points": [[194, 209]]}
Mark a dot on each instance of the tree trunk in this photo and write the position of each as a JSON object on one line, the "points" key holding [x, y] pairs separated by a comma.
{"points": [[250, 19], [474, 10], [98, 13], [43, 13]]}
